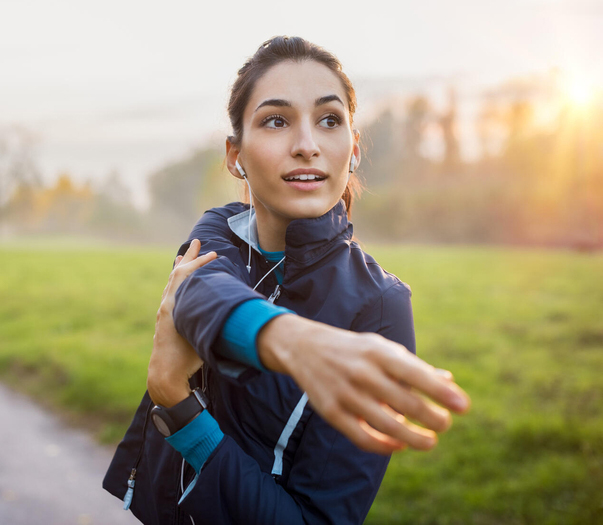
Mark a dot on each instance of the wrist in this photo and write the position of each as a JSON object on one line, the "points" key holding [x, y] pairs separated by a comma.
{"points": [[170, 420], [167, 393], [175, 396], [280, 342]]}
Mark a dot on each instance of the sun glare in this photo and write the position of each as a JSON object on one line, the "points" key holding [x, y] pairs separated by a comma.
{"points": [[579, 92]]}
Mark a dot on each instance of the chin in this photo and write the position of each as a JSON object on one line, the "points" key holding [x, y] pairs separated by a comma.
{"points": [[309, 209]]}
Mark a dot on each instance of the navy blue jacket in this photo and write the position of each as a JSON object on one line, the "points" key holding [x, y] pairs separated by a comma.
{"points": [[279, 461]]}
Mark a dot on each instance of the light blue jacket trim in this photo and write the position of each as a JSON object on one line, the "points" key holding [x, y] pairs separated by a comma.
{"points": [[239, 224], [190, 487], [283, 440], [238, 338]]}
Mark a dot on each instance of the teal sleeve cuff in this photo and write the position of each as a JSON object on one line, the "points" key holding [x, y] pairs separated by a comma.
{"points": [[239, 334], [197, 440]]}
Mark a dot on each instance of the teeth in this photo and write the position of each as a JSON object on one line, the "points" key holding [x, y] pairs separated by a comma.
{"points": [[304, 176]]}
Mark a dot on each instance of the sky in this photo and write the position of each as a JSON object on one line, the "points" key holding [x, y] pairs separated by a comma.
{"points": [[132, 85]]}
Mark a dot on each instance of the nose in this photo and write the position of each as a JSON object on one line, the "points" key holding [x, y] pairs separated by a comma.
{"points": [[304, 142]]}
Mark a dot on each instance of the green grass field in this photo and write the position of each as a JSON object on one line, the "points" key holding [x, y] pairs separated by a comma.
{"points": [[522, 331]]}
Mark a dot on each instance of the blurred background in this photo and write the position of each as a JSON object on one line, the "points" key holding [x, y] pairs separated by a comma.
{"points": [[481, 121], [482, 133]]}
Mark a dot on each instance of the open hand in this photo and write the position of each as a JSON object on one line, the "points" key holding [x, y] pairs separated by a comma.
{"points": [[362, 383], [173, 360]]}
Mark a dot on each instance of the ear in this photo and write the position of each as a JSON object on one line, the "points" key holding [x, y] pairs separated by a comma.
{"points": [[356, 148], [232, 154]]}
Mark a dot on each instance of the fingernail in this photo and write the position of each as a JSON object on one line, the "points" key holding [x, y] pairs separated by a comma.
{"points": [[459, 403], [446, 374]]}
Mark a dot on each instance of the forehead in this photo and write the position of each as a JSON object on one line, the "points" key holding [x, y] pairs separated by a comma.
{"points": [[300, 83]]}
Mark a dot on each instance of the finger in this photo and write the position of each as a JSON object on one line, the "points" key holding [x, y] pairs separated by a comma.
{"points": [[189, 267], [418, 437], [203, 260], [446, 374], [404, 401], [408, 368], [193, 251], [177, 261], [366, 437], [390, 423], [185, 268]]}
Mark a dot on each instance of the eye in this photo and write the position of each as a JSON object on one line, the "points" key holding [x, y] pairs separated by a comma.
{"points": [[274, 121], [330, 121]]}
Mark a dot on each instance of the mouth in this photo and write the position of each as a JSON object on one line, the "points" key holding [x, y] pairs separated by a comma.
{"points": [[305, 175]]}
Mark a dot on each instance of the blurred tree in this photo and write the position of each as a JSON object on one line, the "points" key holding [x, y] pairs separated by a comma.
{"points": [[64, 207], [418, 114], [113, 214], [520, 130], [418, 110], [490, 128], [382, 140], [448, 123], [114, 190], [17, 166], [181, 191], [19, 210]]}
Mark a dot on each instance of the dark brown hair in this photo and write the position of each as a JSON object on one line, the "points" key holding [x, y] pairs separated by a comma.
{"points": [[272, 52]]}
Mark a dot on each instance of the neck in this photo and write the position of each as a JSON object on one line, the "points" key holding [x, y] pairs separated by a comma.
{"points": [[272, 230]]}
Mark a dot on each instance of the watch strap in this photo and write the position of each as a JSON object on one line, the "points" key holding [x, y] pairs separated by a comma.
{"points": [[182, 413]]}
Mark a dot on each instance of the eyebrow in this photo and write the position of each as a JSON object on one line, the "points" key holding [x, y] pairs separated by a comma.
{"points": [[329, 98], [282, 103]]}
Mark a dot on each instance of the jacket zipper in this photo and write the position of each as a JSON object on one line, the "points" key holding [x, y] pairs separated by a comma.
{"points": [[276, 294], [132, 479]]}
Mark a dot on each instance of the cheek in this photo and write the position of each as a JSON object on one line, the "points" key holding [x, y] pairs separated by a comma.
{"points": [[264, 154], [341, 160]]}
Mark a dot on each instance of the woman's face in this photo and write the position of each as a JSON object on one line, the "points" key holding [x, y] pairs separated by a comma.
{"points": [[297, 142]]}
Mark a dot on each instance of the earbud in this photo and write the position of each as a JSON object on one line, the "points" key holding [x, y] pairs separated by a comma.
{"points": [[240, 169], [244, 175], [352, 166], [352, 163]]}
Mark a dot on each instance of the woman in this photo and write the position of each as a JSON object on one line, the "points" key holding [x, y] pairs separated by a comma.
{"points": [[258, 447]]}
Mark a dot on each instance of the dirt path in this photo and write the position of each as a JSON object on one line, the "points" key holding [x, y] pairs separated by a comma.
{"points": [[51, 475]]}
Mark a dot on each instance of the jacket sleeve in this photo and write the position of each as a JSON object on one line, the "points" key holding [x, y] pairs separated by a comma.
{"points": [[205, 300], [331, 482], [391, 316]]}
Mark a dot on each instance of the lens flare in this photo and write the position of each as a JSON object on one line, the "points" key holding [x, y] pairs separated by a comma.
{"points": [[579, 92]]}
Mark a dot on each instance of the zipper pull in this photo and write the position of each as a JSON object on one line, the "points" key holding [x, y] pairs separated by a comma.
{"points": [[276, 294], [130, 492]]}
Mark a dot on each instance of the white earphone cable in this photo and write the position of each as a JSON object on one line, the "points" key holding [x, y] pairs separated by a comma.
{"points": [[244, 175], [269, 272], [249, 222]]}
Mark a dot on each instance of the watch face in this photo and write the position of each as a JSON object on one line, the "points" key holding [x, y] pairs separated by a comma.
{"points": [[161, 425]]}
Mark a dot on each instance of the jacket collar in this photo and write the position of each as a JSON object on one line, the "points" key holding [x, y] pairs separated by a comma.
{"points": [[239, 225], [306, 240]]}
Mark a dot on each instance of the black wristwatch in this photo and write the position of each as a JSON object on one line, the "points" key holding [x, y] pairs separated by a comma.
{"points": [[170, 420]]}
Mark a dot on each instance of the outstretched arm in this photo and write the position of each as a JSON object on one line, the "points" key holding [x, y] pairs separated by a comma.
{"points": [[363, 391]]}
